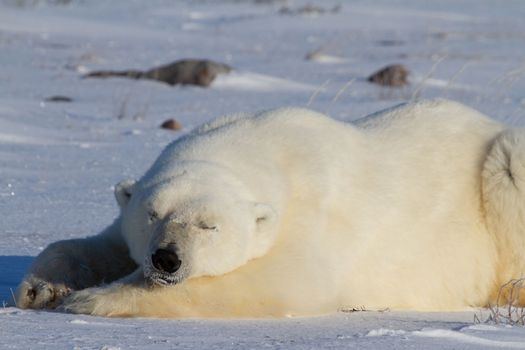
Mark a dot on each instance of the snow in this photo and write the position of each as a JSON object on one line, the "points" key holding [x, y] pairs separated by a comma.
{"points": [[258, 83], [55, 154], [467, 338]]}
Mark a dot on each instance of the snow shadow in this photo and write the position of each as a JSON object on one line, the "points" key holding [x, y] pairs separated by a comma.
{"points": [[12, 270]]}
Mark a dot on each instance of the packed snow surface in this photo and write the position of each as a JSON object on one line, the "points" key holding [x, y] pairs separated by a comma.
{"points": [[59, 161]]}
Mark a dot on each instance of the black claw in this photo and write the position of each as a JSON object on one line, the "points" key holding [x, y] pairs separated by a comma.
{"points": [[31, 294]]}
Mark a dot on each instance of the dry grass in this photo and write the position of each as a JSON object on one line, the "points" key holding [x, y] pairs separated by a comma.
{"points": [[133, 105], [13, 296], [507, 309], [341, 90], [352, 309], [322, 87], [419, 88]]}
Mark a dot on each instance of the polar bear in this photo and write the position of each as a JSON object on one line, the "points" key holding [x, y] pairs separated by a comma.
{"points": [[291, 213]]}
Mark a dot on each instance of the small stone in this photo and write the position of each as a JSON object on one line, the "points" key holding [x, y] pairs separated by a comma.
{"points": [[390, 42], [171, 124], [392, 75], [309, 10], [58, 98]]}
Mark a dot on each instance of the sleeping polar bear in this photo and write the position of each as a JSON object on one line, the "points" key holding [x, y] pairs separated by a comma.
{"points": [[289, 212]]}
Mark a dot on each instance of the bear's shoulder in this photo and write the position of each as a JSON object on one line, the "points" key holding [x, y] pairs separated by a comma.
{"points": [[272, 120], [220, 122]]}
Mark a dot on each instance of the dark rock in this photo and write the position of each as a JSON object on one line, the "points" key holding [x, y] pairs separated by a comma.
{"points": [[393, 75], [184, 72], [58, 98], [171, 124], [309, 10], [390, 42]]}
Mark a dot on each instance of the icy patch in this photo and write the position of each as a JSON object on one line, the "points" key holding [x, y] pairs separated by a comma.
{"points": [[258, 82], [79, 322], [191, 26], [467, 338], [441, 83], [325, 59], [9, 311], [20, 139], [480, 327], [382, 332], [98, 324]]}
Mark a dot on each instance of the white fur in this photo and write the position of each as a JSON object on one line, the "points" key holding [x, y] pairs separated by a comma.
{"points": [[289, 212]]}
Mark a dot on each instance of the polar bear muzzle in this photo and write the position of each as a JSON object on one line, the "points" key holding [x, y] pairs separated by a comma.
{"points": [[166, 260]]}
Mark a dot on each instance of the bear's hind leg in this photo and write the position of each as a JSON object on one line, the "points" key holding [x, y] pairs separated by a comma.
{"points": [[503, 191], [504, 168]]}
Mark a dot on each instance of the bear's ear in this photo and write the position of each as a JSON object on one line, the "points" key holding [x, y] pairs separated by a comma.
{"points": [[265, 215], [123, 191]]}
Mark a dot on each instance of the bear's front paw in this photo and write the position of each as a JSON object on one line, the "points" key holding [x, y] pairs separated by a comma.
{"points": [[36, 293], [82, 302], [111, 300]]}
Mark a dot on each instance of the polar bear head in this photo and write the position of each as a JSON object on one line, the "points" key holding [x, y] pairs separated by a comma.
{"points": [[196, 221]]}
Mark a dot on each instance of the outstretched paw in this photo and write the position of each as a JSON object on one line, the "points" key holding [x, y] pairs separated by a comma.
{"points": [[81, 302], [115, 300]]}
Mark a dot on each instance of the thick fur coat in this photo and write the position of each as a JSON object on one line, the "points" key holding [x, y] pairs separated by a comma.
{"points": [[289, 212]]}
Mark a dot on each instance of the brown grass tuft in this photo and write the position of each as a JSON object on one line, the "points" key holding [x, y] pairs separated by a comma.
{"points": [[508, 309]]}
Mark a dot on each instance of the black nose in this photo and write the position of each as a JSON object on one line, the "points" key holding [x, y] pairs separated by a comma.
{"points": [[165, 260]]}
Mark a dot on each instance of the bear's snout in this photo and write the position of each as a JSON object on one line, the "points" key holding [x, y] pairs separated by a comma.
{"points": [[166, 260]]}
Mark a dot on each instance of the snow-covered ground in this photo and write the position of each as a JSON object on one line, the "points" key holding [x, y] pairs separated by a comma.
{"points": [[59, 161]]}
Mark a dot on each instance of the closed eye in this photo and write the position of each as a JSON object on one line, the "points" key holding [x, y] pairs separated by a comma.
{"points": [[204, 226]]}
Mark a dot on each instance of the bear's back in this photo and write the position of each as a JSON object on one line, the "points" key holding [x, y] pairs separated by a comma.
{"points": [[438, 117]]}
